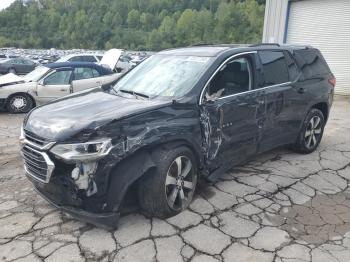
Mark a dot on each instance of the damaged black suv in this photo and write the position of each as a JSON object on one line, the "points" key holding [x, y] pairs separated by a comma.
{"points": [[180, 115]]}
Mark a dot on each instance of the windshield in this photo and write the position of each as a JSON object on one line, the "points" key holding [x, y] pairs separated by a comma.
{"points": [[164, 76], [36, 74]]}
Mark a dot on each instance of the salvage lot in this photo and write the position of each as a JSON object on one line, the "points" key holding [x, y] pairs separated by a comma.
{"points": [[280, 206]]}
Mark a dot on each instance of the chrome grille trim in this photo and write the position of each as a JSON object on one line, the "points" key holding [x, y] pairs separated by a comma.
{"points": [[35, 141], [37, 164]]}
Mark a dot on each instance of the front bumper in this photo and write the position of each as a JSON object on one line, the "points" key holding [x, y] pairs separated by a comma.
{"points": [[52, 180], [2, 103], [108, 220]]}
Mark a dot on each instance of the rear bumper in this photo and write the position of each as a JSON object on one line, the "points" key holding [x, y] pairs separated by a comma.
{"points": [[106, 220]]}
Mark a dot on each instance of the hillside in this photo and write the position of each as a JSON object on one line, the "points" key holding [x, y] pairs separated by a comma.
{"points": [[130, 24]]}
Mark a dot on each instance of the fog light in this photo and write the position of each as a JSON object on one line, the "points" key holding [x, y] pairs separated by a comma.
{"points": [[76, 173]]}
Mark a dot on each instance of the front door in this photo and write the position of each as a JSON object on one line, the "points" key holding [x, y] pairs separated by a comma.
{"points": [[55, 85], [232, 114]]}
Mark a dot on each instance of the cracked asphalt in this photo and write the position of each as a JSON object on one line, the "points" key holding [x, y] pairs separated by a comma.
{"points": [[280, 206]]}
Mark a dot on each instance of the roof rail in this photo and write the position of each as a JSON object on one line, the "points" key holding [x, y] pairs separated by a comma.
{"points": [[266, 44]]}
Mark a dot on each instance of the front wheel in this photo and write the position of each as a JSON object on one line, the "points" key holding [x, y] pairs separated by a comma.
{"points": [[169, 189], [311, 133], [19, 103]]}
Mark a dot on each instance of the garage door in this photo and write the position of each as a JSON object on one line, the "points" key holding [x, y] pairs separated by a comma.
{"points": [[326, 25]]}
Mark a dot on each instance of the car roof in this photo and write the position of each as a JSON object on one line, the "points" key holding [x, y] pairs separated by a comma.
{"points": [[216, 50], [71, 64], [73, 55], [99, 68]]}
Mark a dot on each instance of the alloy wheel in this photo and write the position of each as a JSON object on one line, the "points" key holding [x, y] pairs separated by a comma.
{"points": [[17, 103], [313, 132], [180, 183]]}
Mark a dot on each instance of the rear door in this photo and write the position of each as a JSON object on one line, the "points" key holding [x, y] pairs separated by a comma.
{"points": [[55, 85], [278, 125], [85, 78], [232, 113]]}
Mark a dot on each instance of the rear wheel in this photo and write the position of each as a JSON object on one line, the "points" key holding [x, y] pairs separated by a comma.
{"points": [[19, 103], [13, 71], [169, 189], [311, 133]]}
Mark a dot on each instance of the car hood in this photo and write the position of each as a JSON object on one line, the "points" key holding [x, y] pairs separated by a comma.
{"points": [[111, 58], [10, 79], [82, 114], [25, 87]]}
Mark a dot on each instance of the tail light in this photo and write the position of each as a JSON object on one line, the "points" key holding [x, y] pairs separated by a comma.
{"points": [[333, 81]]}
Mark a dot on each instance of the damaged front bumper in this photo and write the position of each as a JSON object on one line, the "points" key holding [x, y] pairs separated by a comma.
{"points": [[109, 220], [52, 179]]}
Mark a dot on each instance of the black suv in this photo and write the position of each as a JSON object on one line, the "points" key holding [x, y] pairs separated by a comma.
{"points": [[180, 115]]}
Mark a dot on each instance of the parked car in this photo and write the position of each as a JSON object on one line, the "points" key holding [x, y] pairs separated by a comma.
{"points": [[18, 65], [81, 58], [180, 115], [124, 64], [49, 82]]}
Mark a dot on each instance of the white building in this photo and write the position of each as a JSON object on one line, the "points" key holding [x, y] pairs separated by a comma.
{"points": [[324, 24]]}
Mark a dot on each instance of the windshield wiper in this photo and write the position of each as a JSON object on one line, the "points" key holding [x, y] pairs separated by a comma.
{"points": [[134, 93]]}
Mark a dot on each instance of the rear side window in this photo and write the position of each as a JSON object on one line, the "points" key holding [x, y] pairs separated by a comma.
{"points": [[83, 73], [275, 68], [89, 59], [311, 63], [95, 72], [76, 59]]}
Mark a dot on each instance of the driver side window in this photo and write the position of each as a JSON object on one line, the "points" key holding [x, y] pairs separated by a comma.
{"points": [[58, 78], [233, 78]]}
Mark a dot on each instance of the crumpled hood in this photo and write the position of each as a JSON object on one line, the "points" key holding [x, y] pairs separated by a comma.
{"points": [[83, 113], [9, 79], [25, 87]]}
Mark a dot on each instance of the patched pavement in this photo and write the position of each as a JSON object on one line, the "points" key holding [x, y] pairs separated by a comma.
{"points": [[280, 207]]}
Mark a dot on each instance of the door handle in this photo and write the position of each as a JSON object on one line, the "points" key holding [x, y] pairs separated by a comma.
{"points": [[301, 90], [63, 89]]}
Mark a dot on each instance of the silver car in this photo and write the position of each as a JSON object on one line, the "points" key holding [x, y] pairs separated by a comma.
{"points": [[49, 82]]}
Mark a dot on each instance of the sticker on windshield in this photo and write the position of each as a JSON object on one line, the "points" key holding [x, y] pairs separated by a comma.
{"points": [[197, 59]]}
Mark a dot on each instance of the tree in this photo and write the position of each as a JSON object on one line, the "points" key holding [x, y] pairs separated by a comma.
{"points": [[151, 24]]}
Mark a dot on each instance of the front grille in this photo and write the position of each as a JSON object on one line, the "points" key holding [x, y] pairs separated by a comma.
{"points": [[37, 164]]}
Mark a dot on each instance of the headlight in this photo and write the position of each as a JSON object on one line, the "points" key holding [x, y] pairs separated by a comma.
{"points": [[83, 152]]}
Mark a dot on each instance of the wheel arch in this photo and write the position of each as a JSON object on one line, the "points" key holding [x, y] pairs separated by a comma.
{"points": [[144, 156], [324, 108]]}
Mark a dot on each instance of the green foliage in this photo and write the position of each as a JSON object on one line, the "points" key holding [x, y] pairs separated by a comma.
{"points": [[130, 24]]}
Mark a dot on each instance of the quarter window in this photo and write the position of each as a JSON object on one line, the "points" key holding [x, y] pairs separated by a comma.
{"points": [[58, 78], [311, 63], [235, 77], [275, 67]]}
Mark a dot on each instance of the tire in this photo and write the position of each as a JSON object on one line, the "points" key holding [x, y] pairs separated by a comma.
{"points": [[19, 103], [165, 192], [311, 133], [13, 71]]}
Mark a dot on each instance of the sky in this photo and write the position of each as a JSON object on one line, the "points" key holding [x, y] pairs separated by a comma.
{"points": [[5, 3]]}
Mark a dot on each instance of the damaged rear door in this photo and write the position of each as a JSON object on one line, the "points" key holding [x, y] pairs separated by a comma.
{"points": [[232, 113]]}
